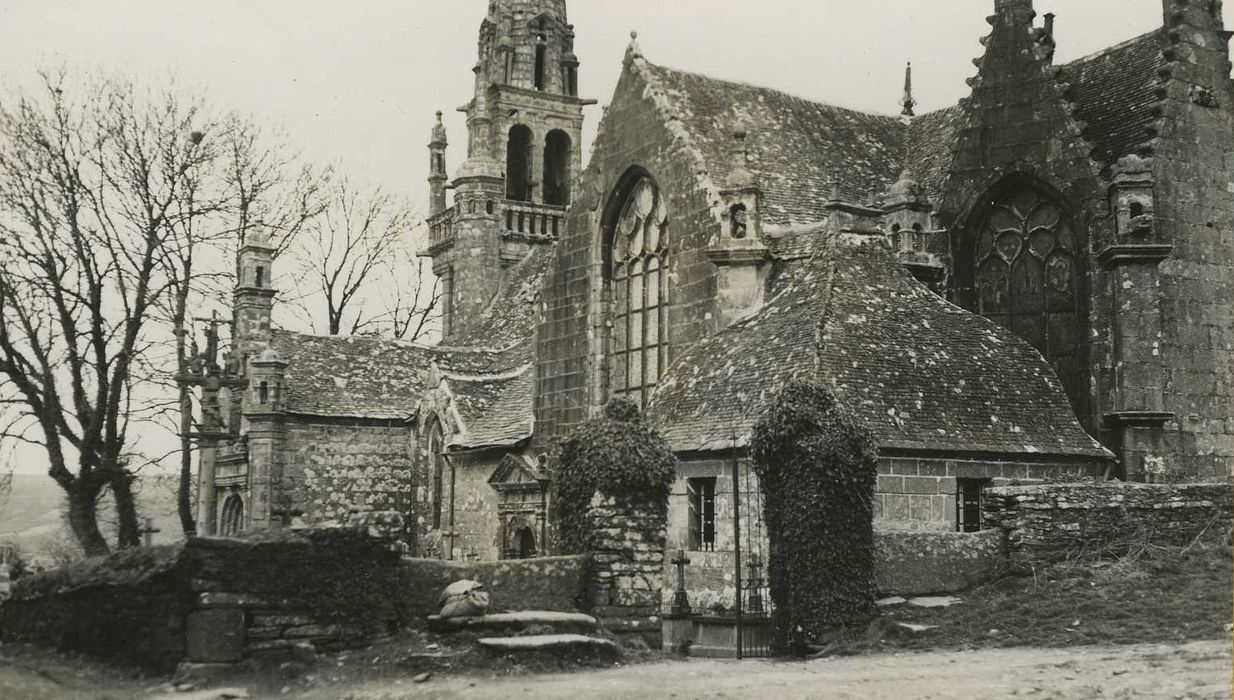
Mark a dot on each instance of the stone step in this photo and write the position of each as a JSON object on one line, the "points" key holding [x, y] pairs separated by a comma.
{"points": [[516, 621], [553, 643]]}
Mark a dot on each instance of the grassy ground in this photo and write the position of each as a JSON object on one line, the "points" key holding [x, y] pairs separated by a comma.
{"points": [[1146, 596]]}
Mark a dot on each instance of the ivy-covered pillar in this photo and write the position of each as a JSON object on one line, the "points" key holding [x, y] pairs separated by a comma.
{"points": [[611, 481], [817, 468]]}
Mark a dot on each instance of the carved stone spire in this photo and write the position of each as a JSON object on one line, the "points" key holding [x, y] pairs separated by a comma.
{"points": [[907, 102]]}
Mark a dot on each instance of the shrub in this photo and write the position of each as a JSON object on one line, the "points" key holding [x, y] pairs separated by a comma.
{"points": [[617, 454], [816, 463]]}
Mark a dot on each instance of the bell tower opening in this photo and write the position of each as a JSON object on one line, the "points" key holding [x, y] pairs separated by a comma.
{"points": [[518, 164], [557, 168]]}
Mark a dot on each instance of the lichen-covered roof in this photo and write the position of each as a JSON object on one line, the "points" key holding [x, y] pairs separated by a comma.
{"points": [[1113, 94], [383, 379], [925, 375], [931, 144], [354, 377], [800, 150], [495, 412]]}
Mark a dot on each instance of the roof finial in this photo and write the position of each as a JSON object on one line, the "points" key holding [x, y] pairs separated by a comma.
{"points": [[740, 176], [907, 102], [634, 49]]}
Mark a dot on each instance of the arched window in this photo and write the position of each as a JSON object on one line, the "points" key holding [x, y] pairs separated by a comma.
{"points": [[557, 168], [518, 164], [231, 519], [541, 54], [638, 259], [437, 463], [1027, 279]]}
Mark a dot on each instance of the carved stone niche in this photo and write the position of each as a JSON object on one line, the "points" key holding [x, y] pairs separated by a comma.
{"points": [[1131, 203], [522, 507]]}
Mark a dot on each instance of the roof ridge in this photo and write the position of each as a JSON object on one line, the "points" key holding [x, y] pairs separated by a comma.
{"points": [[1155, 33], [742, 83]]}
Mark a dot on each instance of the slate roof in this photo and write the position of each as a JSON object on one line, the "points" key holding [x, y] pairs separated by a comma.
{"points": [[495, 412], [923, 373], [384, 379], [354, 377], [799, 149], [1113, 93]]}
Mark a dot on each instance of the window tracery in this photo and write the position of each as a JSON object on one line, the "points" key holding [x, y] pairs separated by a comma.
{"points": [[638, 281], [1026, 277]]}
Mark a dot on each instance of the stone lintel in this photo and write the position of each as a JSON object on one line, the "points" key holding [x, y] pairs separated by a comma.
{"points": [[857, 209], [754, 254], [1123, 254], [1142, 419]]}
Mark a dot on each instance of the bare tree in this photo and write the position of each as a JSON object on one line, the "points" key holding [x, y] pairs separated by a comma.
{"points": [[91, 176], [412, 302], [342, 254]]}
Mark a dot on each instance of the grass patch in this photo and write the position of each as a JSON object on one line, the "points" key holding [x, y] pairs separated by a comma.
{"points": [[1147, 595]]}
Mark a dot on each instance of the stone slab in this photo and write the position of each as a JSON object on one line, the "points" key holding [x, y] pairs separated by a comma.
{"points": [[547, 642], [945, 601]]}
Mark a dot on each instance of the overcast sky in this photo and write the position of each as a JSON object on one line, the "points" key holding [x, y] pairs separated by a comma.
{"points": [[357, 81]]}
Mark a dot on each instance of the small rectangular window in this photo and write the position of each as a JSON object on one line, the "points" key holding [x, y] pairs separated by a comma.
{"points": [[969, 494], [702, 496], [260, 277]]}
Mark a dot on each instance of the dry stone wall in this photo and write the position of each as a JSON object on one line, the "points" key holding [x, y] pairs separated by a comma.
{"points": [[627, 573], [1055, 521]]}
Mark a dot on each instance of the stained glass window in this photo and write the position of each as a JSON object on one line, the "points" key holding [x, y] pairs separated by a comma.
{"points": [[640, 249], [1026, 278]]}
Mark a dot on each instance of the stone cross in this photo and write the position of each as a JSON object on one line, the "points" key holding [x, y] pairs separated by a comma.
{"points": [[681, 601], [149, 531], [756, 584]]}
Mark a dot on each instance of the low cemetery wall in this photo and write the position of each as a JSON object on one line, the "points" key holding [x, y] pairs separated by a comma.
{"points": [[919, 563], [552, 583], [128, 609], [1058, 521], [272, 596]]}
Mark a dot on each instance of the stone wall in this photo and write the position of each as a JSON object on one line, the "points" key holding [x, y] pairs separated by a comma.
{"points": [[128, 609], [475, 510], [631, 136], [331, 466], [626, 578], [551, 583], [920, 494], [919, 563], [1057, 521]]}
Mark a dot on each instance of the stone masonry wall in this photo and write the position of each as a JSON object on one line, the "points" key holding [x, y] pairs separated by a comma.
{"points": [[573, 334], [919, 563], [627, 573], [920, 494], [329, 467], [1056, 521]]}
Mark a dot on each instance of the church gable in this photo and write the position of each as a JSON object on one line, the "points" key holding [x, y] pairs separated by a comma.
{"points": [[515, 473]]}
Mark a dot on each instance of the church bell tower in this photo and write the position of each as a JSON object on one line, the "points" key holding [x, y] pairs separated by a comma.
{"points": [[524, 125]]}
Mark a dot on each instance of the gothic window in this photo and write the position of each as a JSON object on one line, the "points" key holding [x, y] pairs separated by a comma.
{"points": [[231, 520], [557, 168], [437, 463], [518, 164], [1026, 278], [638, 283]]}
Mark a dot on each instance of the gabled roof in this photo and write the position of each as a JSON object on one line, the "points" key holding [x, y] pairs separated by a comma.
{"points": [[1114, 92], [354, 377], [924, 374], [384, 379], [801, 150]]}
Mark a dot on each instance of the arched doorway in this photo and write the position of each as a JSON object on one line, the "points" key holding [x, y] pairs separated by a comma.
{"points": [[231, 519], [524, 545]]}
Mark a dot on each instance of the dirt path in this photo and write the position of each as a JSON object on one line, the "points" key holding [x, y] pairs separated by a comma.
{"points": [[1196, 670], [1199, 670]]}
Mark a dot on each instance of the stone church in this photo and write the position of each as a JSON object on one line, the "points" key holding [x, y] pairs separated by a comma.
{"points": [[1033, 284]]}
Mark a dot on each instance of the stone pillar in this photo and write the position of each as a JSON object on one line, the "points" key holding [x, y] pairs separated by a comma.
{"points": [[627, 572]]}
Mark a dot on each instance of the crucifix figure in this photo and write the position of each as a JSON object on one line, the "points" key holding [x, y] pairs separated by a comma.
{"points": [[148, 531], [681, 602]]}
